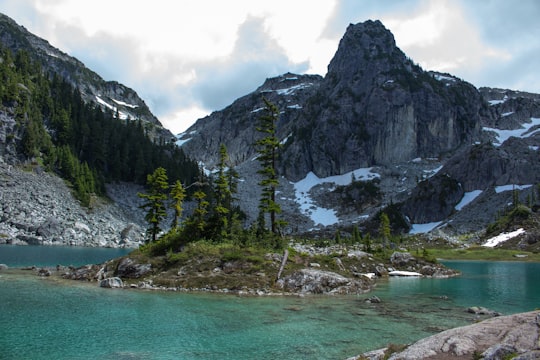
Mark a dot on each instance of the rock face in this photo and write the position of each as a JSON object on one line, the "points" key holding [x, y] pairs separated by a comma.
{"points": [[36, 208], [518, 334]]}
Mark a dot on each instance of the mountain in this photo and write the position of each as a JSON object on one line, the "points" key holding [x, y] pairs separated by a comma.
{"points": [[420, 142], [109, 95]]}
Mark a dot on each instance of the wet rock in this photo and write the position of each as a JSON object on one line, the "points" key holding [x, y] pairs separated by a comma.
{"points": [[479, 310], [114, 282], [3, 267], [374, 300], [44, 272]]}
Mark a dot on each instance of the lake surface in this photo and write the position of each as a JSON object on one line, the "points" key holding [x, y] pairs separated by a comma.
{"points": [[44, 318]]}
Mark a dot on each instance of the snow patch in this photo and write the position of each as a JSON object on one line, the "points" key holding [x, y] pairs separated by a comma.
{"points": [[181, 142], [291, 90], [122, 115], [497, 102], [507, 114], [441, 77], [424, 228], [295, 106], [404, 273], [500, 189], [468, 198], [320, 215], [496, 240], [503, 135], [125, 104]]}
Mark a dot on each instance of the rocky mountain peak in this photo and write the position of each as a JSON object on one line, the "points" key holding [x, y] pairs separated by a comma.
{"points": [[366, 48]]}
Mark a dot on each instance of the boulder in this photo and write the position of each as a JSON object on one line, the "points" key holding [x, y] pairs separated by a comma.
{"points": [[50, 228], [401, 258], [314, 281], [128, 268], [114, 282]]}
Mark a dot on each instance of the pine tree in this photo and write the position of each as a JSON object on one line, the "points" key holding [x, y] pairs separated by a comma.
{"points": [[384, 228], [267, 148], [157, 184], [223, 195], [178, 194]]}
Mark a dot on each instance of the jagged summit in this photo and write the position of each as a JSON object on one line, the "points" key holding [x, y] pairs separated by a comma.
{"points": [[362, 46]]}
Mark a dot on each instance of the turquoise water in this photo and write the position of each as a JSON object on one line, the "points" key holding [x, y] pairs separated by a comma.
{"points": [[43, 318], [20, 256]]}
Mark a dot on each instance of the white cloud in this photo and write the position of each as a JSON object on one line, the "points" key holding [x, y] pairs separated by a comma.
{"points": [[187, 58], [440, 37]]}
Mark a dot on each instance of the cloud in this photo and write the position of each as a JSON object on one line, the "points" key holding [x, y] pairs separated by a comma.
{"points": [[255, 57]]}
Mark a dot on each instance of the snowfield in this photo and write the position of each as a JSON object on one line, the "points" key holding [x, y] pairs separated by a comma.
{"points": [[320, 215], [496, 240], [524, 132]]}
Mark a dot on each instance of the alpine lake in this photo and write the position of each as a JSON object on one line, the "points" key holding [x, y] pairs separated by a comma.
{"points": [[51, 318]]}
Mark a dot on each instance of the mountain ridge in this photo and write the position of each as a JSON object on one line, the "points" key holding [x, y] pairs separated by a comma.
{"points": [[109, 95]]}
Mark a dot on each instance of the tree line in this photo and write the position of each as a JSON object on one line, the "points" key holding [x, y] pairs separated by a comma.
{"points": [[85, 144]]}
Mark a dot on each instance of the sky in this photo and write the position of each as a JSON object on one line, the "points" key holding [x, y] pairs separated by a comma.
{"points": [[187, 58]]}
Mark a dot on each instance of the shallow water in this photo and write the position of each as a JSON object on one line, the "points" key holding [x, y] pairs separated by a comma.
{"points": [[44, 318]]}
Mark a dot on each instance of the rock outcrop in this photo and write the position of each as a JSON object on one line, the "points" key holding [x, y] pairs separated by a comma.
{"points": [[314, 281], [516, 335]]}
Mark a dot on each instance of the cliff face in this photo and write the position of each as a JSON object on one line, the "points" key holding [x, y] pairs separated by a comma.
{"points": [[376, 107]]}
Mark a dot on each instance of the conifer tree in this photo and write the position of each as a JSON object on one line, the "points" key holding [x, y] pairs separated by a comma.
{"points": [[178, 194], [223, 194], [267, 148], [384, 228], [158, 185]]}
